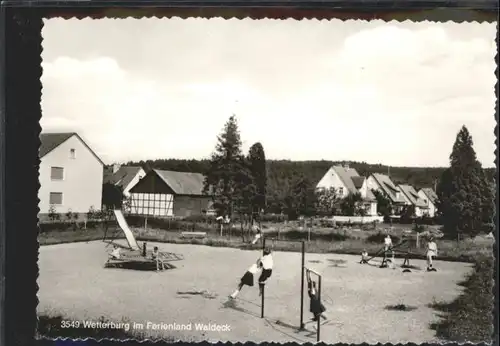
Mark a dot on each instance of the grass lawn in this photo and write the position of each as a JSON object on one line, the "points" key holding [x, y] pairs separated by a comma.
{"points": [[469, 318], [349, 241]]}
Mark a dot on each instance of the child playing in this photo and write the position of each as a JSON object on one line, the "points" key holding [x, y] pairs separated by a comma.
{"points": [[246, 279], [431, 252], [258, 233], [387, 248], [115, 254], [364, 257], [266, 263], [156, 255], [315, 307]]}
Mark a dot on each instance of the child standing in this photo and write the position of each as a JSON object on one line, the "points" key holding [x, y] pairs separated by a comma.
{"points": [[432, 252], [258, 233], [266, 263], [246, 279], [387, 248]]}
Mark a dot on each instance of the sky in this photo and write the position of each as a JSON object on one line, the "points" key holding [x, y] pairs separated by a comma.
{"points": [[391, 93]]}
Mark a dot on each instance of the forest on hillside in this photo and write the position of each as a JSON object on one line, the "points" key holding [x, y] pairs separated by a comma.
{"points": [[282, 173]]}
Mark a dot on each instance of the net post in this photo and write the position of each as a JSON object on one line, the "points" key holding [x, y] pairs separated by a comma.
{"points": [[262, 301], [262, 287], [302, 287], [319, 317]]}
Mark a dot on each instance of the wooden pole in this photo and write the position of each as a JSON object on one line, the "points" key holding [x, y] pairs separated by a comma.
{"points": [[319, 317], [263, 286], [302, 287]]}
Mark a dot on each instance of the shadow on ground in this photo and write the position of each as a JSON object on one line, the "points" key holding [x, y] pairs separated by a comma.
{"points": [[400, 307]]}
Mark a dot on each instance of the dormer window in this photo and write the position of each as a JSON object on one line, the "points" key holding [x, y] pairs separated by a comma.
{"points": [[72, 153]]}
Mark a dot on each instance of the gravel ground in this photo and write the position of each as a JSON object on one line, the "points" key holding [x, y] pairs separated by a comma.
{"points": [[73, 282]]}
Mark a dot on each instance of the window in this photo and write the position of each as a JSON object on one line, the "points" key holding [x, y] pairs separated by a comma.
{"points": [[56, 198], [341, 191], [72, 153], [56, 173]]}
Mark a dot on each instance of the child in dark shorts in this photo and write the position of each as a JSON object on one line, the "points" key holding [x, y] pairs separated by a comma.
{"points": [[316, 307], [246, 279], [266, 263]]}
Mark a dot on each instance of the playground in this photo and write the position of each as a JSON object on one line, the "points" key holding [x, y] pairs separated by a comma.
{"points": [[364, 303]]}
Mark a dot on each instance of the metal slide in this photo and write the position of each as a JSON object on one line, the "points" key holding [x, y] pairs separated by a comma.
{"points": [[128, 233]]}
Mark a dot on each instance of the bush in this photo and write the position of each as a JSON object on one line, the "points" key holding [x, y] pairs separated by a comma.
{"points": [[475, 304], [169, 224], [200, 218], [303, 235], [62, 226], [488, 227], [276, 218]]}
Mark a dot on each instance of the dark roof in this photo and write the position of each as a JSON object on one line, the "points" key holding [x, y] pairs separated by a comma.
{"points": [[345, 174], [50, 141], [352, 180], [388, 187], [123, 176], [183, 183], [431, 194], [358, 182], [412, 195]]}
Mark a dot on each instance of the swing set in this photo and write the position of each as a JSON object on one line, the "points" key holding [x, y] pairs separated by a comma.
{"points": [[304, 270]]}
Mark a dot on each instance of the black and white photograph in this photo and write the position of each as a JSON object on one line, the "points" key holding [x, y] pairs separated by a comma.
{"points": [[267, 180]]}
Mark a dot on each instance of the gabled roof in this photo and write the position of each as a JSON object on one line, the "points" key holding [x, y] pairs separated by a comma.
{"points": [[431, 194], [50, 141], [388, 187], [123, 177], [352, 180], [345, 175], [412, 195], [183, 183]]}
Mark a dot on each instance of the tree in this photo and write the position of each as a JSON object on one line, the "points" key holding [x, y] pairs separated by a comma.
{"points": [[465, 200], [384, 204], [408, 214], [301, 199], [350, 204], [327, 201], [227, 171], [257, 164], [112, 196]]}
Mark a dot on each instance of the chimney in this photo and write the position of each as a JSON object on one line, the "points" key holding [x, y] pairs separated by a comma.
{"points": [[116, 167]]}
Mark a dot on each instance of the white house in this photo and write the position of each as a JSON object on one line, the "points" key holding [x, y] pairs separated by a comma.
{"points": [[412, 198], [429, 196], [383, 184], [124, 176], [71, 175], [346, 181]]}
